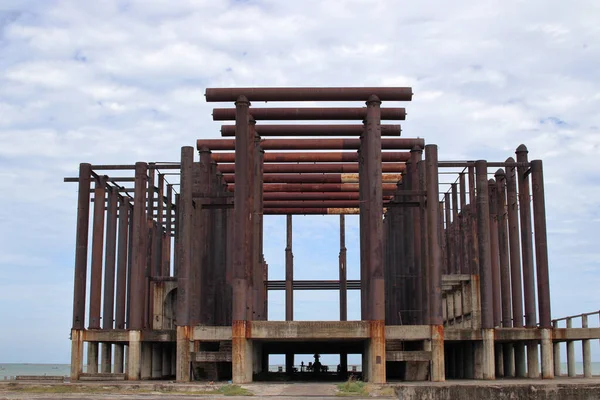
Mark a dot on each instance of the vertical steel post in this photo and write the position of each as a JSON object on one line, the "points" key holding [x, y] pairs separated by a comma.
{"points": [[485, 270], [495, 252], [527, 254], [515, 264], [109, 277], [97, 249], [448, 235], [289, 272], [343, 273], [242, 243], [455, 232], [122, 254], [80, 279], [81, 246], [426, 281], [415, 157], [473, 250], [462, 220], [168, 232]]}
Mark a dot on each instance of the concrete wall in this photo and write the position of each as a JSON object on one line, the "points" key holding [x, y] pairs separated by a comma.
{"points": [[546, 391]]}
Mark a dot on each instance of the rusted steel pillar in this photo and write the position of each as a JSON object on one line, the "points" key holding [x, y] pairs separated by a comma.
{"points": [[168, 232], [137, 298], [251, 247], [242, 243], [289, 272], [448, 235], [485, 271], [80, 280], [343, 272], [527, 254], [455, 231], [184, 218], [363, 229], [415, 157], [374, 201], [541, 259], [495, 252], [473, 248], [202, 283], [109, 277], [424, 239], [507, 352], [541, 243], [122, 253], [515, 264], [462, 226], [257, 235], [434, 262], [96, 269]]}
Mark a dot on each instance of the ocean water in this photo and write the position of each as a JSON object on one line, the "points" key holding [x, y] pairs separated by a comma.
{"points": [[11, 370]]}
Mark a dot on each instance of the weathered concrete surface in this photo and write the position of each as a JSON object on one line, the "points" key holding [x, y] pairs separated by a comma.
{"points": [[558, 389]]}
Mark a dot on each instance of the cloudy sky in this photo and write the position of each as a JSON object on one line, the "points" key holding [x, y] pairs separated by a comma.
{"points": [[121, 81]]}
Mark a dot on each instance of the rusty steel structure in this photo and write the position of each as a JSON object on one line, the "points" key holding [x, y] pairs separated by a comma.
{"points": [[453, 279]]}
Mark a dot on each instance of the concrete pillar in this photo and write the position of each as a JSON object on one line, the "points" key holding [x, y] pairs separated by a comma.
{"points": [[586, 349], [76, 354], [438, 373], [134, 355], [376, 352], [487, 356], [92, 358], [182, 357], [557, 366], [547, 354], [146, 361], [241, 353], [499, 360], [570, 352], [508, 355]]}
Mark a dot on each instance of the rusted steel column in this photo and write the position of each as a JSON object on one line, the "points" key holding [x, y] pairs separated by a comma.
{"points": [[462, 226], [151, 175], [343, 272], [407, 238], [483, 230], [177, 236], [122, 253], [168, 232], [455, 231], [541, 243], [109, 277], [473, 248], [433, 222], [81, 246], [503, 247], [495, 252], [514, 246], [289, 272], [526, 238], [527, 257], [97, 249], [373, 199], [424, 239], [485, 272], [242, 243], [363, 229], [184, 218], [416, 153], [448, 236], [138, 255], [257, 269]]}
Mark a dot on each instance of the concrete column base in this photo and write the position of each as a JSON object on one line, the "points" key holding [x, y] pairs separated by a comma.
{"points": [[484, 356], [134, 356], [118, 358], [241, 354], [376, 352], [106, 358], [92, 358], [182, 368], [533, 366], [438, 373], [499, 360], [547, 354], [76, 354], [557, 366]]}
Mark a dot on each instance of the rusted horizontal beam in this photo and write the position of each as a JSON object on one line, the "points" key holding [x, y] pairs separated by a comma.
{"points": [[309, 94], [341, 156], [110, 179], [312, 204], [132, 166], [311, 211], [388, 188], [314, 168], [312, 130], [357, 113], [466, 164], [311, 196], [315, 178], [311, 144]]}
